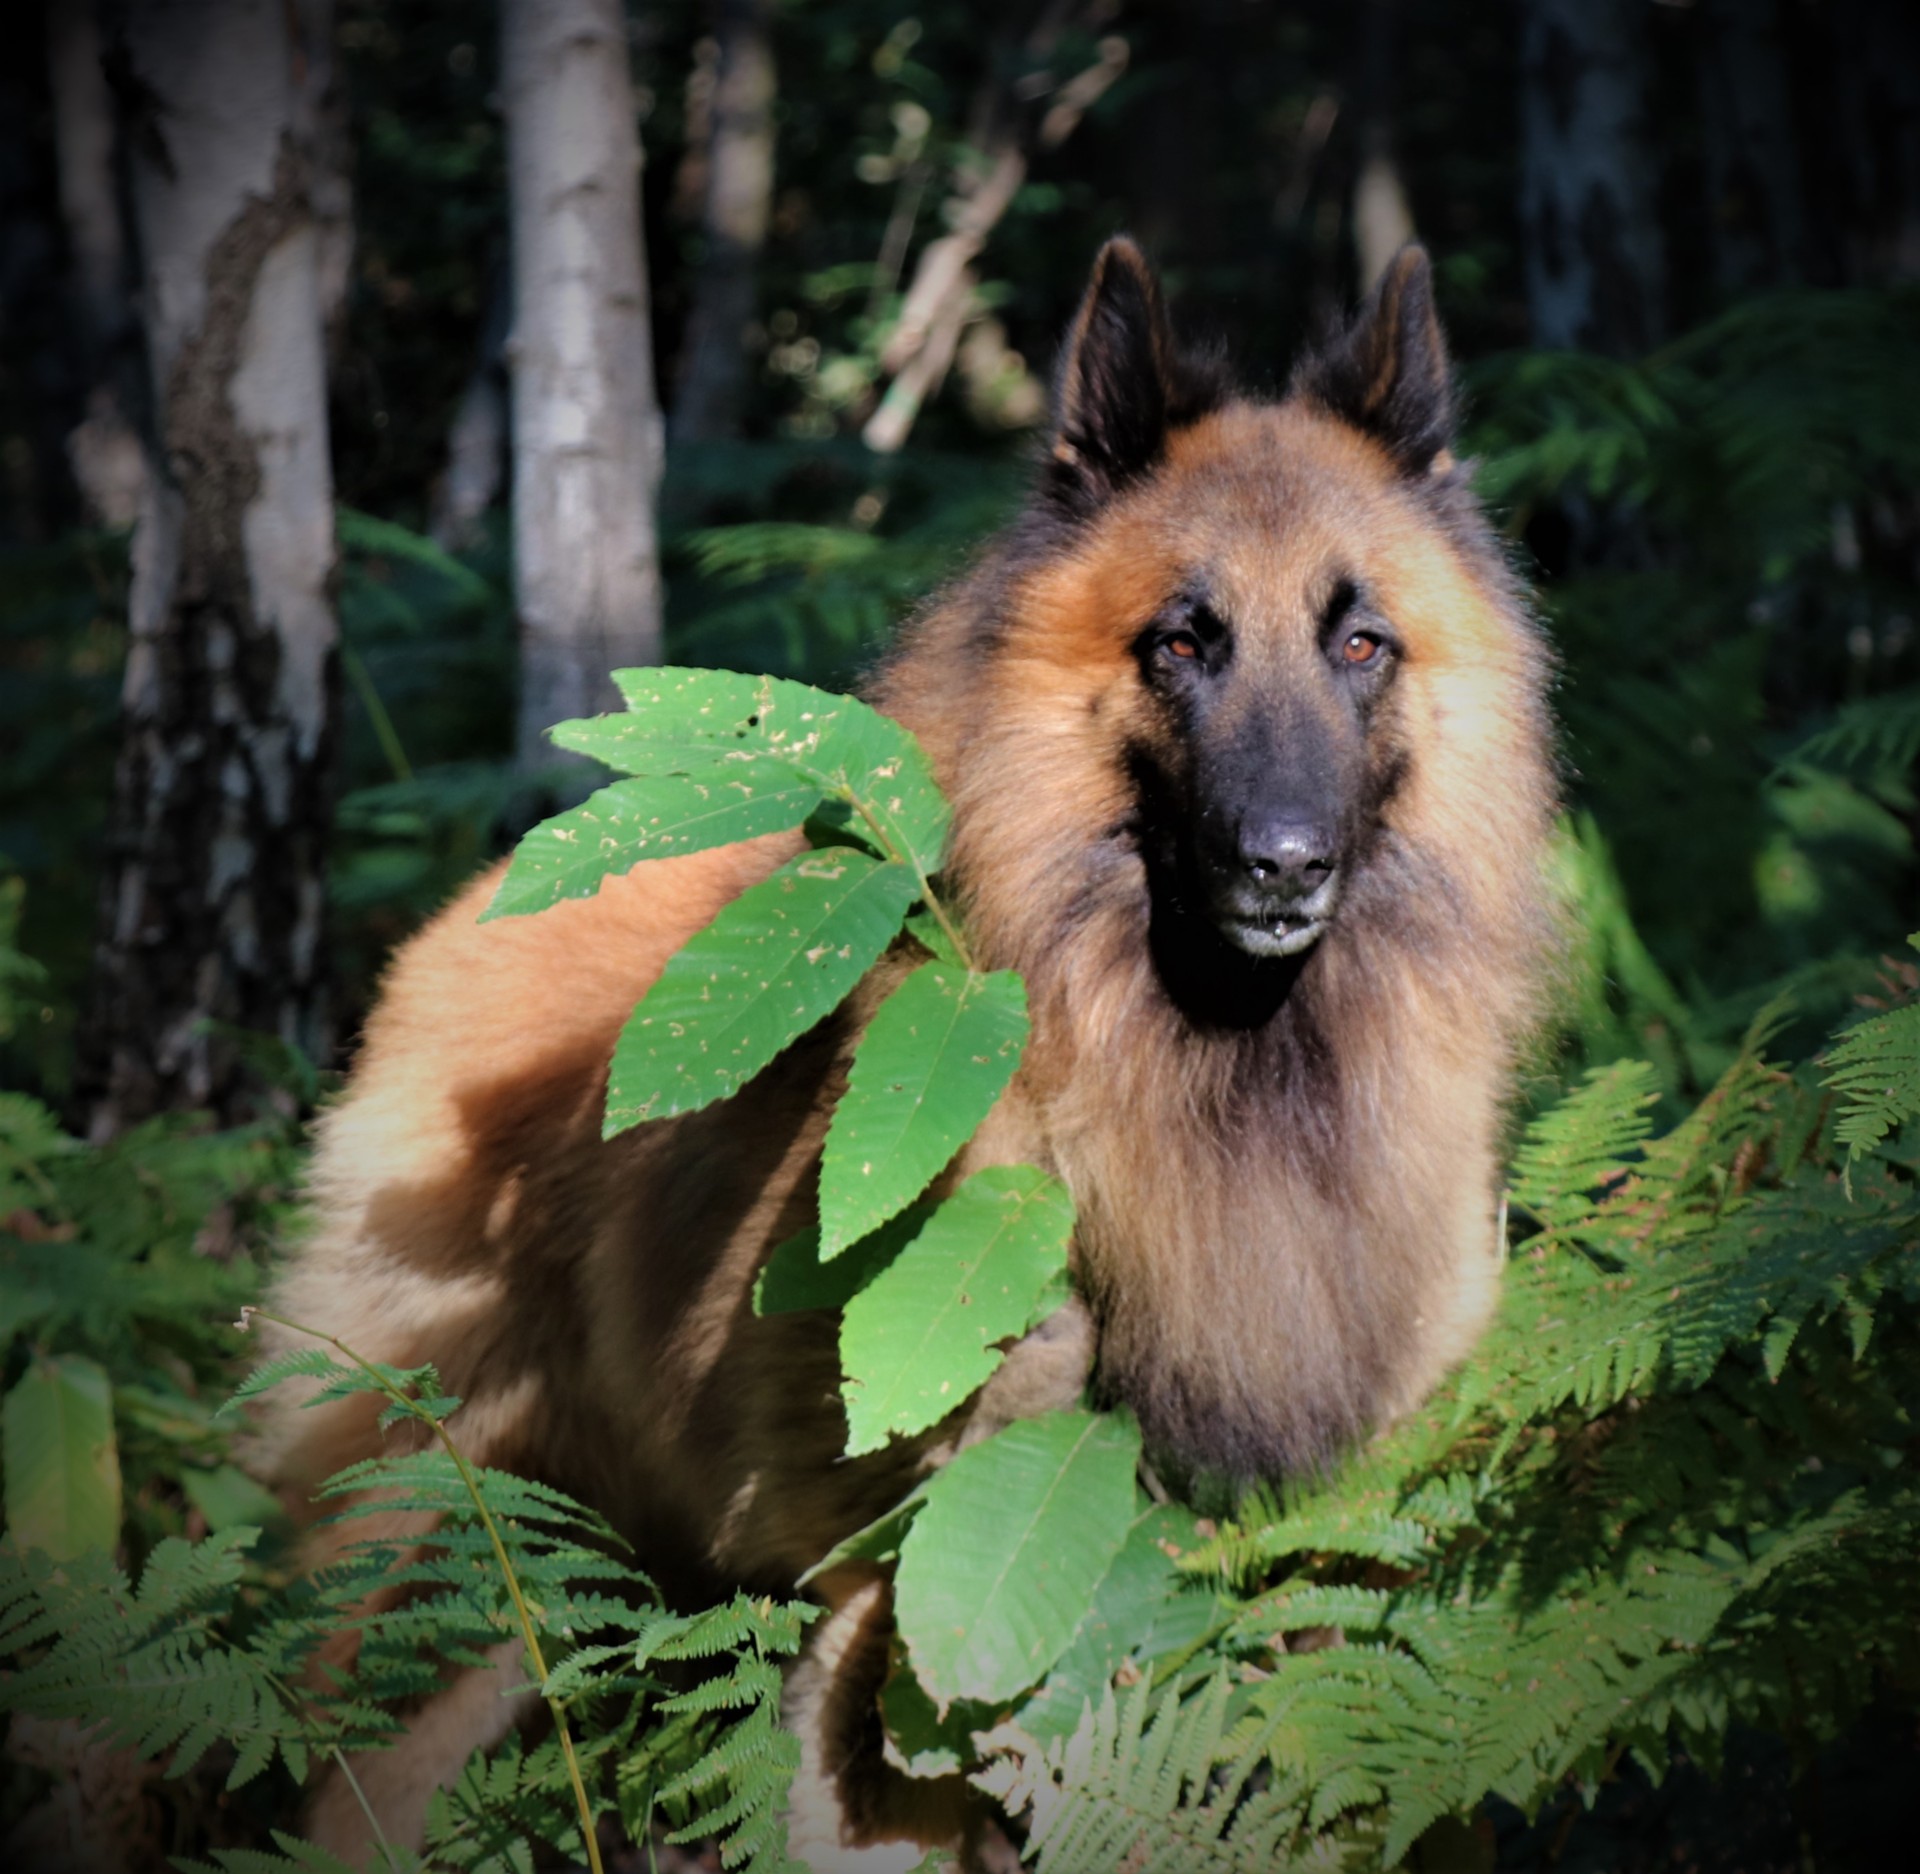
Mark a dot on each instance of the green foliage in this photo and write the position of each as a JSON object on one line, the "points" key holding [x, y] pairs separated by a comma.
{"points": [[1006, 1551], [1875, 1068], [716, 1774], [62, 1465], [777, 959], [924, 1331], [1733, 607], [119, 1267], [203, 1657], [1152, 1783], [937, 1054]]}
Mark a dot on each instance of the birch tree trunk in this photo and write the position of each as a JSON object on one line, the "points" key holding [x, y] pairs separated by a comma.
{"points": [[739, 197], [214, 891], [586, 426], [1596, 274]]}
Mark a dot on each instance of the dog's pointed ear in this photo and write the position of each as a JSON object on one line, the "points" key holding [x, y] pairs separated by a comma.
{"points": [[1388, 373], [1122, 386]]}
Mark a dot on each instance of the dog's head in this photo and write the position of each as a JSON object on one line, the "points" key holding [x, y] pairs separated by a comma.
{"points": [[1268, 610]]}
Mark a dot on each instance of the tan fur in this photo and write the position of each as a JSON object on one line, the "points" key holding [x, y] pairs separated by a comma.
{"points": [[1256, 1256]]}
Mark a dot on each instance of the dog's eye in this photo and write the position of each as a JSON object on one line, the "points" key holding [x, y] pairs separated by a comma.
{"points": [[1361, 648], [1181, 644]]}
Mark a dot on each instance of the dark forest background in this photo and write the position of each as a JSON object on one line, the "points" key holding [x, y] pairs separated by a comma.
{"points": [[1715, 490], [1677, 250]]}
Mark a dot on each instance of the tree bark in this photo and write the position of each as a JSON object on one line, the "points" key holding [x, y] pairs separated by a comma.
{"points": [[1876, 57], [103, 449], [1596, 273], [586, 426], [325, 137], [213, 901], [739, 197], [1754, 214]]}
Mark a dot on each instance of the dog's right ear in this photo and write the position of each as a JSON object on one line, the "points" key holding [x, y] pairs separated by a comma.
{"points": [[1123, 386]]}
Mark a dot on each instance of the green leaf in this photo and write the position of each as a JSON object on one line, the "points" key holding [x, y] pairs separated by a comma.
{"points": [[651, 818], [1004, 1555], [924, 928], [1144, 1577], [877, 1541], [1875, 1068], [228, 1498], [775, 961], [688, 720], [794, 1277], [920, 1336], [63, 1465], [932, 1062]]}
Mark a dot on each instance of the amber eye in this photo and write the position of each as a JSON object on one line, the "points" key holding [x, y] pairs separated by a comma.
{"points": [[1183, 646], [1361, 648]]}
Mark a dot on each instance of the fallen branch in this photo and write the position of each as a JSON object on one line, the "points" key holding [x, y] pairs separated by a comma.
{"points": [[941, 299]]}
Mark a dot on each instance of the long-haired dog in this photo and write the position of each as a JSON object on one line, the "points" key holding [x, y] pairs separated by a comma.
{"points": [[1243, 725]]}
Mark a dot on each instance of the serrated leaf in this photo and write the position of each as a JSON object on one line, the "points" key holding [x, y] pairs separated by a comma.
{"points": [[1143, 1577], [937, 1054], [651, 817], [1006, 1551], [794, 1277], [920, 1336], [775, 961], [1875, 1069], [685, 720], [877, 1541], [925, 929], [63, 1464]]}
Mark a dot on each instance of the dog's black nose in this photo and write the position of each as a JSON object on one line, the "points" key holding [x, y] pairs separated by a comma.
{"points": [[1286, 858]]}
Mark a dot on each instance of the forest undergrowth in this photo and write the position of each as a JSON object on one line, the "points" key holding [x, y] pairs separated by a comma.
{"points": [[1670, 1502]]}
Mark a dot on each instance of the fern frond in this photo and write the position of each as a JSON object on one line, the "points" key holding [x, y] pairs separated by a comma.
{"points": [[295, 1857], [1584, 1144], [1875, 1069], [1156, 1784], [490, 1819], [1876, 732]]}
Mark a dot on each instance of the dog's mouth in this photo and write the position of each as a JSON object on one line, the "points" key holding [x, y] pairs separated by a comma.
{"points": [[1278, 928], [1279, 937]]}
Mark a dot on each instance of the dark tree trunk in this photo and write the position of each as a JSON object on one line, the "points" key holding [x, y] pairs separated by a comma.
{"points": [[1876, 115], [103, 449], [715, 356], [1754, 217], [213, 902], [1596, 275], [586, 426]]}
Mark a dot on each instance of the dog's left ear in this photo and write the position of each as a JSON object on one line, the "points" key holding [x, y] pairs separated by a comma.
{"points": [[1123, 385], [1387, 373]]}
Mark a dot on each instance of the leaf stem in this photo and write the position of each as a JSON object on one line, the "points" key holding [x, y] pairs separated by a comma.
{"points": [[949, 928], [528, 1633]]}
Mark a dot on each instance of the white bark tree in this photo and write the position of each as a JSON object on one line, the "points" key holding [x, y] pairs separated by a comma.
{"points": [[586, 422], [1596, 273], [214, 895]]}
